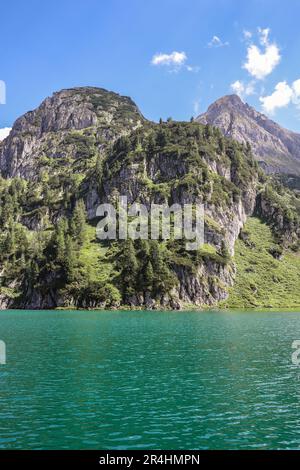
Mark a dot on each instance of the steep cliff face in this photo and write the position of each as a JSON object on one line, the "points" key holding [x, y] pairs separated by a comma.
{"points": [[87, 146], [178, 163], [47, 131], [188, 167], [280, 209], [277, 149]]}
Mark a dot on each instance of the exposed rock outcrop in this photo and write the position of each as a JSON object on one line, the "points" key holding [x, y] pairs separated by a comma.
{"points": [[43, 133], [91, 145], [277, 149]]}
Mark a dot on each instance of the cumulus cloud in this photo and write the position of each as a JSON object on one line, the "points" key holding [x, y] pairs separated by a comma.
{"points": [[243, 89], [217, 42], [260, 64], [280, 98], [283, 95], [247, 35], [264, 36], [4, 132], [261, 61], [2, 92], [192, 68], [296, 90], [175, 59]]}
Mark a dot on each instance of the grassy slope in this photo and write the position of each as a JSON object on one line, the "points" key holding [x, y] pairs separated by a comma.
{"points": [[92, 256], [261, 280]]}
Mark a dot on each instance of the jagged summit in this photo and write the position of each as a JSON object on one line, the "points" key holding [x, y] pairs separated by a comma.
{"points": [[107, 115], [229, 100], [277, 149], [78, 108], [101, 113]]}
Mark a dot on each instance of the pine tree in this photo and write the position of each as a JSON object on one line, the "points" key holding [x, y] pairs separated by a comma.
{"points": [[99, 169], [149, 276], [248, 148], [221, 145], [128, 264], [163, 279], [60, 237], [122, 145], [9, 246], [161, 138], [151, 145], [78, 222], [71, 259], [208, 131]]}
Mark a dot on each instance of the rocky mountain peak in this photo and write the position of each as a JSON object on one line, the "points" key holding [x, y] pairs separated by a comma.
{"points": [[104, 113], [231, 101], [78, 108], [277, 149]]}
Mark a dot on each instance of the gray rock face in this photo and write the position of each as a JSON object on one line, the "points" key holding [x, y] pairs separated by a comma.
{"points": [[208, 284], [41, 132], [277, 149], [76, 121]]}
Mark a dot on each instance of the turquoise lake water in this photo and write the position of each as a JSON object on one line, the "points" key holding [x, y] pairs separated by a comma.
{"points": [[149, 380]]}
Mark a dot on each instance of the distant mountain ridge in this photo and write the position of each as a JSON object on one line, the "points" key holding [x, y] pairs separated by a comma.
{"points": [[276, 148]]}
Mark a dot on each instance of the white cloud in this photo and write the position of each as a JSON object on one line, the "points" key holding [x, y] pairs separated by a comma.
{"points": [[217, 42], [2, 92], [4, 132], [282, 96], [238, 88], [296, 87], [175, 59], [192, 68], [264, 36], [296, 93], [243, 89], [247, 35], [261, 62]]}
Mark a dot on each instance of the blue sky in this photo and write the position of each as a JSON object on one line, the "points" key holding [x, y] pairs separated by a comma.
{"points": [[173, 57]]}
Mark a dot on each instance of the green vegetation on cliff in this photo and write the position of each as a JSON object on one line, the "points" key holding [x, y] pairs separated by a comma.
{"points": [[89, 146], [50, 255], [267, 276]]}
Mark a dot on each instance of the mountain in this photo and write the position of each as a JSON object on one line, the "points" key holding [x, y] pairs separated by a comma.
{"points": [[47, 132], [86, 146], [277, 149]]}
